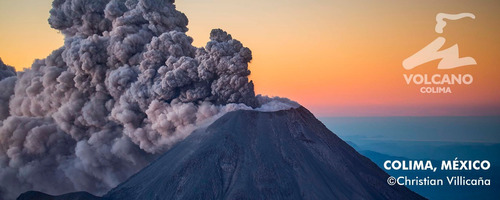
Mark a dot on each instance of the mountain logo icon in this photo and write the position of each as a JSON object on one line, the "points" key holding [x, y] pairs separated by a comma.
{"points": [[449, 57]]}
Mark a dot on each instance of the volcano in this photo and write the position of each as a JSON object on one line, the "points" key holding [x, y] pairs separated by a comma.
{"points": [[248, 154]]}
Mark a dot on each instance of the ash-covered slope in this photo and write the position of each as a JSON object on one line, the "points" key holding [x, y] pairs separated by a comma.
{"points": [[261, 155]]}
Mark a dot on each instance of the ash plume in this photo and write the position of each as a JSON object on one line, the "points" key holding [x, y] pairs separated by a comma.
{"points": [[7, 81], [126, 86]]}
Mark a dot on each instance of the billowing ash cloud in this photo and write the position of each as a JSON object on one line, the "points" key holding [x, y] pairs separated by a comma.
{"points": [[126, 85], [7, 81], [6, 70]]}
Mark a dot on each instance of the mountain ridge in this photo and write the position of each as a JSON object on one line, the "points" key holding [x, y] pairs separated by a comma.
{"points": [[247, 154]]}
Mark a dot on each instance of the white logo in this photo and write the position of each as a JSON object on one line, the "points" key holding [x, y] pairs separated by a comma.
{"points": [[449, 57]]}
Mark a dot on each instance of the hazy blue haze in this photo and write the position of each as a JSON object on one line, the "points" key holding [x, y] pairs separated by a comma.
{"points": [[428, 138]]}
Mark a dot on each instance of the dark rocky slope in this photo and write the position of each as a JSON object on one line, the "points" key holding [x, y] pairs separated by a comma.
{"points": [[287, 154]]}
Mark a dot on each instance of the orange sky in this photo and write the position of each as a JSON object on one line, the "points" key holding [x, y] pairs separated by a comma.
{"points": [[337, 58]]}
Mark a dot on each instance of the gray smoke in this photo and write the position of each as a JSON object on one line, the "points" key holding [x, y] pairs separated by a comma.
{"points": [[7, 81], [6, 70], [126, 86]]}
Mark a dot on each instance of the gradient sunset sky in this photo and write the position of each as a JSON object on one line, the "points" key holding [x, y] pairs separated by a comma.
{"points": [[337, 58]]}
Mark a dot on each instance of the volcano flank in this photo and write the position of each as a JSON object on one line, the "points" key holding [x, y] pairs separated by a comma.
{"points": [[247, 154]]}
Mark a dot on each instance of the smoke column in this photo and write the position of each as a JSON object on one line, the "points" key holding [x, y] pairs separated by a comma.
{"points": [[126, 86]]}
